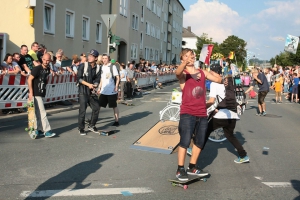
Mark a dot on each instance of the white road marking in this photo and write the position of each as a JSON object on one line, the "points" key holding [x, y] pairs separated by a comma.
{"points": [[164, 92], [278, 184], [84, 192], [257, 177]]}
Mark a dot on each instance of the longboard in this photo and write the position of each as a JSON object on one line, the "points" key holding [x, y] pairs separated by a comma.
{"points": [[107, 130], [31, 120], [184, 184]]}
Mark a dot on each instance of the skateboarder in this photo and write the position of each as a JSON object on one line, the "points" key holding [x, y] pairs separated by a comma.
{"points": [[37, 82], [88, 76], [109, 87], [226, 113], [193, 114]]}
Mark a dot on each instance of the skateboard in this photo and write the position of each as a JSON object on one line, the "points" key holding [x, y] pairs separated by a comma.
{"points": [[107, 130], [184, 184], [127, 103], [31, 120]]}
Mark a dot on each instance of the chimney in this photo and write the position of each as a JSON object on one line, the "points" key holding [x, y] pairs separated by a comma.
{"points": [[189, 29]]}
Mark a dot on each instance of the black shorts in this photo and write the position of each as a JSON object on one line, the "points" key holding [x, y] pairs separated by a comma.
{"points": [[111, 100], [261, 97]]}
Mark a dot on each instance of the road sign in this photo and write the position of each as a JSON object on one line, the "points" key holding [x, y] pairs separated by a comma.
{"points": [[112, 18]]}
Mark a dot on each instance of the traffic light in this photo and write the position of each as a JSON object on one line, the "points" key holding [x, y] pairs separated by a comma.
{"points": [[114, 41]]}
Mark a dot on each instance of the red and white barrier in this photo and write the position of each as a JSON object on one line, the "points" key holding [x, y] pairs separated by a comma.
{"points": [[14, 89]]}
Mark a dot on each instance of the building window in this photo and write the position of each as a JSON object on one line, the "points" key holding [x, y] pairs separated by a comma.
{"points": [[149, 4], [49, 18], [157, 33], [142, 41], [135, 22], [156, 55], [153, 6], [134, 50], [147, 53], [85, 28], [70, 17], [147, 28], [142, 15], [123, 7], [99, 32], [158, 11]]}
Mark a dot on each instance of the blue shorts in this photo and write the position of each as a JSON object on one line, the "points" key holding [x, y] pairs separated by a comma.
{"points": [[192, 127], [295, 89]]}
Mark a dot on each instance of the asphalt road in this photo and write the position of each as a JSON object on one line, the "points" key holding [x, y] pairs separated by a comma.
{"points": [[104, 167]]}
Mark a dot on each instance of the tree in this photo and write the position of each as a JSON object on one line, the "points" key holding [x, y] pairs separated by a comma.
{"points": [[286, 58], [203, 39], [237, 45]]}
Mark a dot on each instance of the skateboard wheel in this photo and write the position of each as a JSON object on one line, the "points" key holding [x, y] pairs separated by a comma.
{"points": [[174, 184], [204, 179], [185, 187]]}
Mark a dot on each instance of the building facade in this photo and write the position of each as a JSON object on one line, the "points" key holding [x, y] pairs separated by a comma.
{"points": [[150, 29], [189, 38]]}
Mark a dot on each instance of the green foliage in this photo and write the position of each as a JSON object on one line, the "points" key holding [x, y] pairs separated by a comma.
{"points": [[232, 43], [286, 58]]}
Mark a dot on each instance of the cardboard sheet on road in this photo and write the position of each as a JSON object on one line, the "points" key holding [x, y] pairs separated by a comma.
{"points": [[163, 137]]}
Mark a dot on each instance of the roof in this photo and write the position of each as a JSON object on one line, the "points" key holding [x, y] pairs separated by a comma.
{"points": [[181, 4], [187, 33]]}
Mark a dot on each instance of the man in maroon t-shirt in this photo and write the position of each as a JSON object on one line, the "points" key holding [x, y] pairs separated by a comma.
{"points": [[193, 113]]}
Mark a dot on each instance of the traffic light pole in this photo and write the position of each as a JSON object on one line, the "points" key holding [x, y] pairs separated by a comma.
{"points": [[108, 36]]}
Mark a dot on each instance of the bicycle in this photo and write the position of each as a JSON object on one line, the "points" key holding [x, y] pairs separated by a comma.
{"points": [[172, 113]]}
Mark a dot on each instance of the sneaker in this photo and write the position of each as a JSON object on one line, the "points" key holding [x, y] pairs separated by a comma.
{"points": [[181, 174], [258, 114], [93, 129], [38, 132], [196, 171], [280, 102], [81, 132], [189, 151], [242, 160], [264, 113], [49, 134], [116, 124]]}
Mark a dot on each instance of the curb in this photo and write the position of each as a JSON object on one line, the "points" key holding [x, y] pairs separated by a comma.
{"points": [[9, 118]]}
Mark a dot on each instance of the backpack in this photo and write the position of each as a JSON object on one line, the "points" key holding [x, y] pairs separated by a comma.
{"points": [[229, 102], [111, 71], [86, 65]]}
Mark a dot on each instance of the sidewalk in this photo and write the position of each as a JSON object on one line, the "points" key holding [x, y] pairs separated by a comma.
{"points": [[51, 110]]}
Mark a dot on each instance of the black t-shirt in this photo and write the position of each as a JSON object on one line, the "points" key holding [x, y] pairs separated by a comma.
{"points": [[28, 60], [40, 80], [264, 86]]}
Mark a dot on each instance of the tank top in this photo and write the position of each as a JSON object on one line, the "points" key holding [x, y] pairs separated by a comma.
{"points": [[194, 96]]}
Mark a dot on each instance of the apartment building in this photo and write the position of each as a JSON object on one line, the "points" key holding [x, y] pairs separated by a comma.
{"points": [[189, 38], [150, 29]]}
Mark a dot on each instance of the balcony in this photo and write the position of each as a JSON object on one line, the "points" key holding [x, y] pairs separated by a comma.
{"points": [[169, 28], [170, 9]]}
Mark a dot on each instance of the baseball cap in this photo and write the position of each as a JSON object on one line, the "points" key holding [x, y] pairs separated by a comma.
{"points": [[216, 68], [113, 61], [94, 53]]}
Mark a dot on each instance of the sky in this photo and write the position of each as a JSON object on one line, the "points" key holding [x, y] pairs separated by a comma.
{"points": [[263, 24]]}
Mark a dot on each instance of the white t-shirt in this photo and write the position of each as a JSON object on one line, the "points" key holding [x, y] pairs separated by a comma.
{"points": [[123, 72], [268, 76], [219, 89], [107, 80]]}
